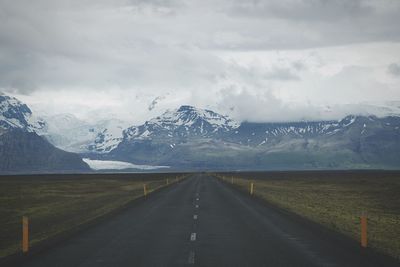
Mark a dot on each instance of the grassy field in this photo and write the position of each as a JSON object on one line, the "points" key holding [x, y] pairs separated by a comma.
{"points": [[55, 204], [336, 201]]}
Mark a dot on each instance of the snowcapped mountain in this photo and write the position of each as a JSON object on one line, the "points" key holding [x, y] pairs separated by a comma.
{"points": [[378, 109], [72, 134], [161, 135], [68, 132], [65, 131], [194, 138], [187, 122], [109, 133], [191, 138], [22, 150], [182, 123], [257, 134], [16, 115]]}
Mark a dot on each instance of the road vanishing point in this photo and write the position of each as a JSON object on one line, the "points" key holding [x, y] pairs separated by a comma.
{"points": [[202, 221]]}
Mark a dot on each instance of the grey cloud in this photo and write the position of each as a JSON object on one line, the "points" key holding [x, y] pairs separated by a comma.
{"points": [[245, 105], [351, 83], [152, 45], [283, 74], [160, 8], [95, 46], [156, 3], [155, 102], [293, 24], [394, 69], [317, 10], [299, 65], [256, 75]]}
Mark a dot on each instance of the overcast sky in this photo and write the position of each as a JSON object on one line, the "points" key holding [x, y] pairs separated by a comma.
{"points": [[254, 60]]}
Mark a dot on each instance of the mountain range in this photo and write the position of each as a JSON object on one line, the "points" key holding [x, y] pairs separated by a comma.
{"points": [[75, 135], [23, 150], [193, 138], [202, 139]]}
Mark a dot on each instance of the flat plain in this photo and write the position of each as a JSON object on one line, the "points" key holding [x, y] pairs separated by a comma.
{"points": [[55, 204], [61, 204], [335, 199]]}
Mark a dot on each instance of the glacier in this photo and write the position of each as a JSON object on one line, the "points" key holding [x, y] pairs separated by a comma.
{"points": [[118, 165]]}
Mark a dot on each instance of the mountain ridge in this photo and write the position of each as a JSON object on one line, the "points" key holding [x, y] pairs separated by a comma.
{"points": [[347, 143], [22, 150], [190, 137], [15, 114]]}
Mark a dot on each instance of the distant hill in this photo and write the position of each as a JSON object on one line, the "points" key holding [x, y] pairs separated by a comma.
{"points": [[16, 115], [72, 134], [194, 138], [22, 150]]}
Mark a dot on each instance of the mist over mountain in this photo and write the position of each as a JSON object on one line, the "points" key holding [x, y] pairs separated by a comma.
{"points": [[68, 132], [15, 114], [194, 138], [23, 150]]}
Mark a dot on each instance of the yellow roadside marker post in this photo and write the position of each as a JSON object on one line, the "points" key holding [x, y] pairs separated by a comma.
{"points": [[251, 188], [144, 190], [364, 239], [25, 234]]}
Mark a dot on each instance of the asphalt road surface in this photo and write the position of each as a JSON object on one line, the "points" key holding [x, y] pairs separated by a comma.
{"points": [[204, 222]]}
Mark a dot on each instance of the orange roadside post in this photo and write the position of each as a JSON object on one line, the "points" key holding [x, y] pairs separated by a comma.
{"points": [[364, 240], [144, 190], [25, 234]]}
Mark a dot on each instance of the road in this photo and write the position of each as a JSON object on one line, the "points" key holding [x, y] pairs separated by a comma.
{"points": [[203, 222]]}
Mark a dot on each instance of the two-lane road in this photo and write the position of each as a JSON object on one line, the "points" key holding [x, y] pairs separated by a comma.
{"points": [[203, 222]]}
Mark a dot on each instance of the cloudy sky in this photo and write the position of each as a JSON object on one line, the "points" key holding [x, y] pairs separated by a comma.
{"points": [[255, 60]]}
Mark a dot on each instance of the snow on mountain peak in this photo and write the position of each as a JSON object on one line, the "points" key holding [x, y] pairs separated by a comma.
{"points": [[75, 135], [15, 114], [189, 115], [184, 121]]}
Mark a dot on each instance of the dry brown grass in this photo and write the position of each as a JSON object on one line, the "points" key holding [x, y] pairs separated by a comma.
{"points": [[338, 204], [54, 206]]}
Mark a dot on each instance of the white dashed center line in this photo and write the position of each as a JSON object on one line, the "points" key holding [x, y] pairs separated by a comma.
{"points": [[191, 257], [193, 237]]}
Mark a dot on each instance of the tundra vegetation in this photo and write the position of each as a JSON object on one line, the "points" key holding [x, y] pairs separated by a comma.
{"points": [[56, 204], [336, 200]]}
